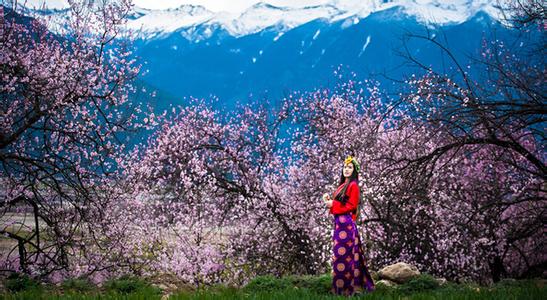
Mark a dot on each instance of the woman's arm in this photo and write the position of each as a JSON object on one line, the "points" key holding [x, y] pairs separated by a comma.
{"points": [[351, 204]]}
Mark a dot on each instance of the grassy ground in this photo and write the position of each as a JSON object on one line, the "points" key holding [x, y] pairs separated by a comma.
{"points": [[267, 287]]}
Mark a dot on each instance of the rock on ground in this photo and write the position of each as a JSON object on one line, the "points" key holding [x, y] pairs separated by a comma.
{"points": [[400, 272]]}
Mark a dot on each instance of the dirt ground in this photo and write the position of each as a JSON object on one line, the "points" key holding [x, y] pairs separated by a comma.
{"points": [[20, 223]]}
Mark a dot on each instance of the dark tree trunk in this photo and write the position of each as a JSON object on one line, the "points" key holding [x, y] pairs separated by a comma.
{"points": [[497, 269]]}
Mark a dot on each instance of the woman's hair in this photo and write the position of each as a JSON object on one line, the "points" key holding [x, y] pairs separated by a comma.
{"points": [[341, 196]]}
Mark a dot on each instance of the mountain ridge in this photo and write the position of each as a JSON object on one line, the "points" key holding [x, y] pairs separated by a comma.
{"points": [[160, 23], [208, 60]]}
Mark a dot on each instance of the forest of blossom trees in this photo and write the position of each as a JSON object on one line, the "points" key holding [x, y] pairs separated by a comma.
{"points": [[453, 175]]}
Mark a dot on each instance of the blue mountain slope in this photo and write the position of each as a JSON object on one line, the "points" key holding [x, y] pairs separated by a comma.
{"points": [[269, 65], [266, 65]]}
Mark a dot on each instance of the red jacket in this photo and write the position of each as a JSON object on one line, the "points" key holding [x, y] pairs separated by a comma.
{"points": [[351, 205]]}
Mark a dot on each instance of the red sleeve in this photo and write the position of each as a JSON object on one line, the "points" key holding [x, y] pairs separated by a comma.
{"points": [[351, 204]]}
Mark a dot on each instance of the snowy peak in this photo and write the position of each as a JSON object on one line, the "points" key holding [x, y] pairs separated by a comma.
{"points": [[263, 6], [151, 23], [446, 12], [192, 10], [196, 22], [262, 15]]}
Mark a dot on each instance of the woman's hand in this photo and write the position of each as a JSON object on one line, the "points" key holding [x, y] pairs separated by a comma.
{"points": [[327, 199]]}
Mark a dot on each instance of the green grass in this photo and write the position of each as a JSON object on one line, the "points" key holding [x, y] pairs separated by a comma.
{"points": [[125, 287], [318, 287], [269, 287]]}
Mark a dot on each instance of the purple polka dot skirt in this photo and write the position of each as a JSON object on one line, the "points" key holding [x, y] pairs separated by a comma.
{"points": [[350, 274]]}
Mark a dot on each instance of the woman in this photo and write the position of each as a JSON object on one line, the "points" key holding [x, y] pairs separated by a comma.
{"points": [[350, 274]]}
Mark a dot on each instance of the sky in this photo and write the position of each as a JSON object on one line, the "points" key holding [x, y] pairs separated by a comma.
{"points": [[212, 5], [222, 5]]}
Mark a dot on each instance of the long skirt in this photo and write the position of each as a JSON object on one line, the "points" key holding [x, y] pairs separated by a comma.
{"points": [[350, 274]]}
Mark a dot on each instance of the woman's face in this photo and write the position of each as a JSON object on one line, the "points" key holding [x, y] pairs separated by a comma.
{"points": [[348, 170]]}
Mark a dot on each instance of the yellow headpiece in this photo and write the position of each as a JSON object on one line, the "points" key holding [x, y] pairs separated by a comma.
{"points": [[351, 159]]}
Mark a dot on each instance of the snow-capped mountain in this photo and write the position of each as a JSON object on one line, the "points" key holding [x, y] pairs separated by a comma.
{"points": [[150, 22], [266, 51], [153, 23], [261, 16]]}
